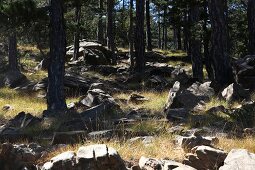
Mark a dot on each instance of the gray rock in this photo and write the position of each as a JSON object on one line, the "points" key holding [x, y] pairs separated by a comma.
{"points": [[235, 92], [188, 98], [144, 139], [205, 157], [187, 143], [66, 160], [7, 107], [180, 114], [99, 157], [239, 159]]}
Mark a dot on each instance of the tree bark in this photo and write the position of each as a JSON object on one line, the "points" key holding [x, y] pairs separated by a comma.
{"points": [[195, 44], [13, 53], [77, 31], [179, 38], [159, 30], [206, 40], [165, 29], [100, 28], [220, 53], [148, 26], [251, 26], [110, 29], [131, 34], [139, 40], [56, 70]]}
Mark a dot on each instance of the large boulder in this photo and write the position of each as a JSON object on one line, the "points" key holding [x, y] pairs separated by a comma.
{"points": [[205, 157], [245, 71], [22, 156], [99, 157], [155, 164], [239, 159], [188, 98], [235, 92], [187, 143]]}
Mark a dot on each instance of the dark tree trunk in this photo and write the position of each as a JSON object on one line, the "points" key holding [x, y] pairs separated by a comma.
{"points": [[206, 40], [175, 40], [139, 40], [13, 53], [159, 30], [185, 32], [179, 38], [100, 28], [110, 29], [195, 44], [220, 53], [148, 26], [56, 71], [131, 34], [251, 26], [77, 31], [165, 29]]}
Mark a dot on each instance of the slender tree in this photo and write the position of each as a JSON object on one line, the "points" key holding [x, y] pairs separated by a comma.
{"points": [[251, 26], [12, 53], [139, 37], [220, 52], [100, 29], [56, 70], [77, 30], [159, 30], [148, 26], [110, 29], [131, 34], [195, 43]]}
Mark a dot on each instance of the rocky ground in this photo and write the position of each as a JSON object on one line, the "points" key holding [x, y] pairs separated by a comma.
{"points": [[163, 119]]}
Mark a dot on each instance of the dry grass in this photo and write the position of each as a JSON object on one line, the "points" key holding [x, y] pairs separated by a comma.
{"points": [[162, 147], [36, 76], [23, 101], [31, 48], [236, 143], [20, 101], [155, 104], [176, 53]]}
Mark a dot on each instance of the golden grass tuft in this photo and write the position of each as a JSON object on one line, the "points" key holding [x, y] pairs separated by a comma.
{"points": [[162, 147], [237, 143], [154, 105], [20, 101]]}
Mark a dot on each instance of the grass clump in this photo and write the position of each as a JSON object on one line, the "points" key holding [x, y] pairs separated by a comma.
{"points": [[154, 105]]}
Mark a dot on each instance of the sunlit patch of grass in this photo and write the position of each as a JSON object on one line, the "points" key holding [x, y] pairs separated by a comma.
{"points": [[253, 96], [169, 53], [214, 102], [20, 101], [29, 63], [154, 105], [162, 147], [237, 143], [151, 127], [23, 101], [36, 76], [27, 47]]}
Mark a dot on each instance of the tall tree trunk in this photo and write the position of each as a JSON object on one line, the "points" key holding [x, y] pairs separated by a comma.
{"points": [[220, 53], [148, 26], [56, 70], [12, 53], [159, 30], [100, 28], [131, 34], [186, 32], [195, 44], [139, 40], [251, 26], [206, 40], [77, 31], [165, 29], [179, 38], [110, 29]]}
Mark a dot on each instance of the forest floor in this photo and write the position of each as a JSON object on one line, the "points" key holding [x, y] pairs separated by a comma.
{"points": [[161, 147]]}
